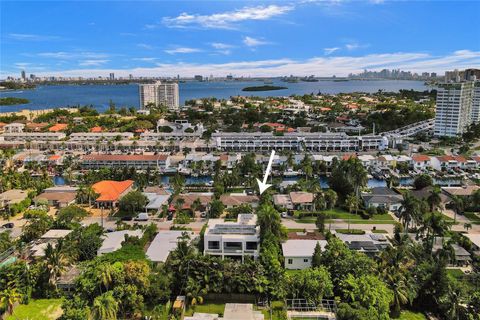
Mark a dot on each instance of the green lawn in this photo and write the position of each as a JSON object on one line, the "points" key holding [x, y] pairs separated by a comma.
{"points": [[338, 213], [217, 308], [351, 231], [41, 309], [474, 218], [409, 315], [455, 273]]}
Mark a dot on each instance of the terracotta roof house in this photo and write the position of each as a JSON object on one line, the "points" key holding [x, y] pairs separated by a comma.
{"points": [[302, 200], [58, 127], [421, 162], [189, 198], [96, 129], [57, 199], [110, 192], [235, 200], [34, 126]]}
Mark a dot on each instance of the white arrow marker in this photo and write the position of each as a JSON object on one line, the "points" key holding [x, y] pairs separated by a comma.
{"points": [[262, 186]]}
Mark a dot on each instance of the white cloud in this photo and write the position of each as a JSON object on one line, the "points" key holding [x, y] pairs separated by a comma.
{"points": [[225, 20], [146, 59], [221, 46], [145, 46], [329, 51], [93, 62], [182, 50], [63, 55], [252, 42], [32, 37], [319, 66]]}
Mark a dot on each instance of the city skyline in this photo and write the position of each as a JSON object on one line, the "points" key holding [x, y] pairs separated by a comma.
{"points": [[240, 38]]}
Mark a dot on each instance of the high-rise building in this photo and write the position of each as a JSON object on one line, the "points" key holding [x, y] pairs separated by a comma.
{"points": [[476, 102], [454, 111], [159, 94], [112, 76], [24, 75]]}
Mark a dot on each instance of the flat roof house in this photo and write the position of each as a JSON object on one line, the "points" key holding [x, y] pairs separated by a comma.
{"points": [[298, 253], [233, 239], [138, 161], [236, 199], [163, 243], [110, 192], [112, 241], [369, 243]]}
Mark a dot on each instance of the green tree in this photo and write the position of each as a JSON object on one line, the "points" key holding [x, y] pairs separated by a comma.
{"points": [[422, 181], [9, 297], [55, 261], [132, 202], [320, 221], [310, 284], [105, 307], [216, 208], [269, 221], [331, 198], [69, 216], [317, 256]]}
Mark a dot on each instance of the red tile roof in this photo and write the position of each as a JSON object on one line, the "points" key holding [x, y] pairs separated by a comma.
{"points": [[420, 158], [54, 157], [96, 129], [111, 190], [58, 127]]}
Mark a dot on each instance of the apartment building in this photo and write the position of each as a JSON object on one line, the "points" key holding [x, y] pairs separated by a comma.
{"points": [[454, 109], [139, 162], [235, 240], [33, 136], [246, 141], [14, 127], [95, 136], [476, 102], [159, 94]]}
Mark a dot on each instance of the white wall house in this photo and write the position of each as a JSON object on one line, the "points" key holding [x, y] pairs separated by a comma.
{"points": [[298, 253], [235, 240]]}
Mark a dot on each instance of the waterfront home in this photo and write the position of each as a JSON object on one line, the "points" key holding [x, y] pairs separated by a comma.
{"points": [[367, 160], [385, 161], [155, 201], [445, 163], [137, 161], [233, 239], [382, 197], [164, 243], [112, 241], [465, 191], [236, 199], [298, 253], [58, 127], [421, 162], [110, 192]]}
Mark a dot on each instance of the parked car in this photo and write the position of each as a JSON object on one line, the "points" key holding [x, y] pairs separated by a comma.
{"points": [[143, 216], [8, 225]]}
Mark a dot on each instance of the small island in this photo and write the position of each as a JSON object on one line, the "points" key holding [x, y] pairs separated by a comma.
{"points": [[11, 101], [263, 88]]}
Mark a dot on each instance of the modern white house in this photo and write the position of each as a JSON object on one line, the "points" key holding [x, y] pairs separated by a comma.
{"points": [[298, 252], [421, 162], [165, 242], [233, 239]]}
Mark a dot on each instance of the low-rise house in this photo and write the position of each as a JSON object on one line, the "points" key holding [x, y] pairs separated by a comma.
{"points": [[110, 192], [444, 163], [301, 200], [383, 197], [139, 162], [283, 201], [155, 201], [421, 162], [12, 196], [165, 242], [233, 311], [298, 253], [236, 199], [188, 199], [369, 243], [33, 136], [465, 191], [367, 160], [233, 239], [57, 199], [58, 127], [112, 241], [37, 249]]}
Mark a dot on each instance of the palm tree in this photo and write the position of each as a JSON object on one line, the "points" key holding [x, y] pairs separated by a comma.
{"points": [[352, 202], [105, 307], [105, 274], [434, 200], [457, 206], [467, 226], [331, 198], [410, 211], [55, 261], [9, 297]]}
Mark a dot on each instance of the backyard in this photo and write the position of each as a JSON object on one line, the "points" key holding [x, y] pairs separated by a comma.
{"points": [[41, 309]]}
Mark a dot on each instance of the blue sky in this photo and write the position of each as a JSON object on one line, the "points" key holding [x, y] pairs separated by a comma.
{"points": [[249, 38]]}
